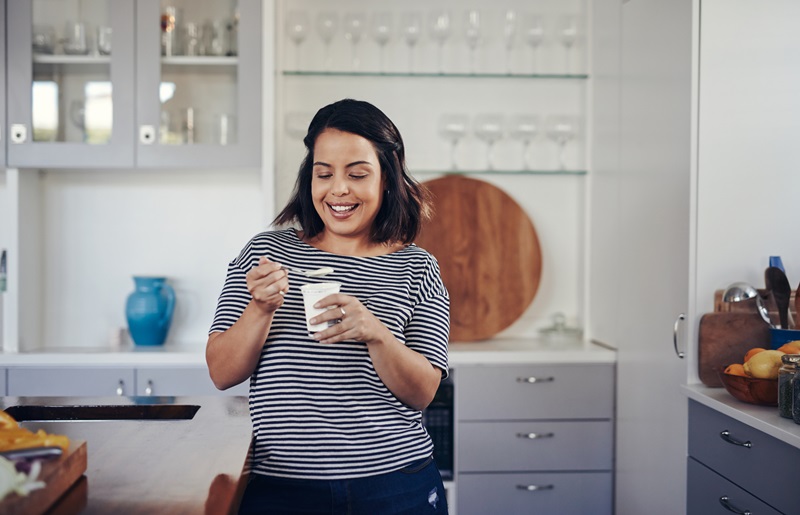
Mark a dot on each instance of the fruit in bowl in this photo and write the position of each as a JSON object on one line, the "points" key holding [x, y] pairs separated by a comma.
{"points": [[753, 390]]}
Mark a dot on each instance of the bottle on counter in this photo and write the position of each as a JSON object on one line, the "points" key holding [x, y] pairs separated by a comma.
{"points": [[785, 376]]}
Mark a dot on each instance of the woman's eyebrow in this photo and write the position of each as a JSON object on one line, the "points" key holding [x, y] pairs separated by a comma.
{"points": [[349, 165]]}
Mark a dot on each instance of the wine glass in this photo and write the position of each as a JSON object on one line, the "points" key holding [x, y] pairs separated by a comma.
{"points": [[509, 35], [297, 23], [472, 32], [353, 30], [440, 31], [489, 128], [524, 127], [382, 32], [561, 129], [453, 127], [568, 34], [411, 24], [533, 29], [327, 23]]}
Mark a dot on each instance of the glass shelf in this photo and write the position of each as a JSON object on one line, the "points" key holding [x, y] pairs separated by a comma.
{"points": [[200, 61], [71, 59], [312, 73], [499, 172]]}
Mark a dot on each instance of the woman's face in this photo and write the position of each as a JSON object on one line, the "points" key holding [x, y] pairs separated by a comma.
{"points": [[346, 184]]}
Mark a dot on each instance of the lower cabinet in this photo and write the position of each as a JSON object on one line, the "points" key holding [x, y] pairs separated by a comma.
{"points": [[535, 439], [181, 381], [3, 382], [708, 493]]}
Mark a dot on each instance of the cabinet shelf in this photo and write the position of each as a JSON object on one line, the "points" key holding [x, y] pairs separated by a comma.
{"points": [[312, 73], [499, 172], [200, 61], [71, 59]]}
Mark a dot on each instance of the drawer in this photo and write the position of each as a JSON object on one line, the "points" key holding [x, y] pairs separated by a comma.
{"points": [[529, 446], [767, 469], [708, 493], [70, 381], [181, 381], [511, 494], [535, 392]]}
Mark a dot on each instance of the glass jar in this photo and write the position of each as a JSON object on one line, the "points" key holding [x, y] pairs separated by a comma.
{"points": [[785, 375], [796, 396]]}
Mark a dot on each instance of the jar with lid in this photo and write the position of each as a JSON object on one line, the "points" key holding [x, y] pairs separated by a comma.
{"points": [[789, 364], [796, 395]]}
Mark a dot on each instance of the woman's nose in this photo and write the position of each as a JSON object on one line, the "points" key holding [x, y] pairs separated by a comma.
{"points": [[339, 186]]}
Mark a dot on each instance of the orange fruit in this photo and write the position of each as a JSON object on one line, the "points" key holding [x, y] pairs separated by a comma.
{"points": [[736, 369], [752, 352], [788, 348]]}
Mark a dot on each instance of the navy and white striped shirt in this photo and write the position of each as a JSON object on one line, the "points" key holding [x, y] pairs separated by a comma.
{"points": [[320, 411]]}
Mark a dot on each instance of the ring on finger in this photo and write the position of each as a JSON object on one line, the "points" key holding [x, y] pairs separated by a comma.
{"points": [[342, 310]]}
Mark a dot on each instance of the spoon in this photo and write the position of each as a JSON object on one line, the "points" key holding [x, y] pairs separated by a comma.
{"points": [[738, 292], [319, 272], [777, 282]]}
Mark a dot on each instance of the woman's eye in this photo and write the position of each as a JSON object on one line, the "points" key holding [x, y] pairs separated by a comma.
{"points": [[358, 176], [324, 175]]}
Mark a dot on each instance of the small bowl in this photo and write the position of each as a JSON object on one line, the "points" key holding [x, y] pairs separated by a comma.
{"points": [[751, 389]]}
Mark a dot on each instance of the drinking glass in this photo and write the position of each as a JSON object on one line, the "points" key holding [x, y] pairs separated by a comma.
{"points": [[297, 23], [353, 30], [472, 32], [440, 31], [568, 34], [453, 127], [327, 23], [411, 24], [75, 42], [561, 129], [382, 33], [489, 128], [509, 35], [533, 29], [524, 127]]}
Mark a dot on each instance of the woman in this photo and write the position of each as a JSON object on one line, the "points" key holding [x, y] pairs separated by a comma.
{"points": [[337, 414]]}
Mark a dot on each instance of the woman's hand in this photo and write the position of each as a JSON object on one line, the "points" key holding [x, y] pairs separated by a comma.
{"points": [[354, 321], [267, 282]]}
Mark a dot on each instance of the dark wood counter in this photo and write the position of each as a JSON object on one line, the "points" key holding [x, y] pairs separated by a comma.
{"points": [[146, 466]]}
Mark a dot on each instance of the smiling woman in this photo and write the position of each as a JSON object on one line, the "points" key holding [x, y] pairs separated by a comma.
{"points": [[337, 414]]}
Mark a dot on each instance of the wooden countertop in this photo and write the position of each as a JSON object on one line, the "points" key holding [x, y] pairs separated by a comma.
{"points": [[158, 466]]}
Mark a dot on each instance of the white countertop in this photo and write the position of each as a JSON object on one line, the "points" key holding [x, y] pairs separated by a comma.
{"points": [[763, 418], [497, 351]]}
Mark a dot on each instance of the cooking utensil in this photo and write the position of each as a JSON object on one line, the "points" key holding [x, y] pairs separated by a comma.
{"points": [[777, 282], [739, 291], [32, 453], [319, 272]]}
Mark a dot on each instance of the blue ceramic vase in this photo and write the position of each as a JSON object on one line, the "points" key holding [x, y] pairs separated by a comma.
{"points": [[149, 310]]}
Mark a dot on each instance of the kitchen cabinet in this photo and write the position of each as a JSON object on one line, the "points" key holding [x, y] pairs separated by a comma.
{"points": [[181, 381], [3, 382], [3, 133], [723, 455], [539, 440], [70, 381], [82, 104]]}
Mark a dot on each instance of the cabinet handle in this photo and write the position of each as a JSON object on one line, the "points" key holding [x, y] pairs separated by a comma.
{"points": [[532, 379], [535, 488], [534, 436], [121, 388], [726, 435], [148, 390], [675, 335], [725, 502]]}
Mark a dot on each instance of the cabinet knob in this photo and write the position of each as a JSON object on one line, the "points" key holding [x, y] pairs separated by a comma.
{"points": [[726, 435], [121, 388], [675, 335], [148, 390], [19, 133], [535, 436], [532, 379], [147, 134], [726, 503], [535, 488]]}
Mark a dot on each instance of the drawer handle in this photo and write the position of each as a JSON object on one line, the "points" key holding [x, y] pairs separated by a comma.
{"points": [[121, 388], [534, 436], [725, 502], [726, 435], [680, 354], [532, 379], [148, 390], [535, 488]]}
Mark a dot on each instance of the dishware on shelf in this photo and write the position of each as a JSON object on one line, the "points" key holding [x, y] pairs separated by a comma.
{"points": [[170, 20], [489, 128], [353, 30], [561, 129], [453, 127], [297, 23], [104, 40], [524, 127], [382, 33], [75, 42], [510, 22], [224, 129], [149, 309], [472, 33], [327, 24], [568, 31], [440, 32], [533, 31], [44, 39], [411, 25], [192, 39]]}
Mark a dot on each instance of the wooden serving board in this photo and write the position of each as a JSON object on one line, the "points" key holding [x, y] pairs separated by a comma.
{"points": [[488, 252], [724, 338], [58, 474]]}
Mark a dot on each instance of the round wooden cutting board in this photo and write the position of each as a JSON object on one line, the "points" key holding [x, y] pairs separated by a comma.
{"points": [[488, 253]]}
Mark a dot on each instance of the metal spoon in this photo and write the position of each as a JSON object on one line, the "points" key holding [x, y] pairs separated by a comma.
{"points": [[738, 292], [781, 290], [319, 272]]}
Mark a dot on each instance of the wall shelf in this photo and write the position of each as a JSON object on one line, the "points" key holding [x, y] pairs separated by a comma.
{"points": [[314, 73]]}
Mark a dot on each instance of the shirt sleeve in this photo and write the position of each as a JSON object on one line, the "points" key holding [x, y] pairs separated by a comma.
{"points": [[234, 297], [428, 331]]}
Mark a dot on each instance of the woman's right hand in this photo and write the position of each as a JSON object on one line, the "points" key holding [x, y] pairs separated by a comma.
{"points": [[267, 282]]}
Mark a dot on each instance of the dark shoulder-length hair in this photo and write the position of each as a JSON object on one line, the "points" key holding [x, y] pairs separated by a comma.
{"points": [[406, 203]]}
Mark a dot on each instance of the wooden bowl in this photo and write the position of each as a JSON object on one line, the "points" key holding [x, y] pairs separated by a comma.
{"points": [[751, 389]]}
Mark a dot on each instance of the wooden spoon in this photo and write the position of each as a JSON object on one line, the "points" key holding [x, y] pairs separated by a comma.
{"points": [[781, 289]]}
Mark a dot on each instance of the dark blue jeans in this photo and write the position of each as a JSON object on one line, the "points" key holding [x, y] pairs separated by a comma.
{"points": [[415, 489]]}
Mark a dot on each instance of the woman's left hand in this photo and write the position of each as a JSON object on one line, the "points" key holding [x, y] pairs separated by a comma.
{"points": [[355, 321]]}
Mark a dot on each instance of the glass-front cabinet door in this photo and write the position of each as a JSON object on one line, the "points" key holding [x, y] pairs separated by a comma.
{"points": [[3, 131], [199, 97], [70, 83]]}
